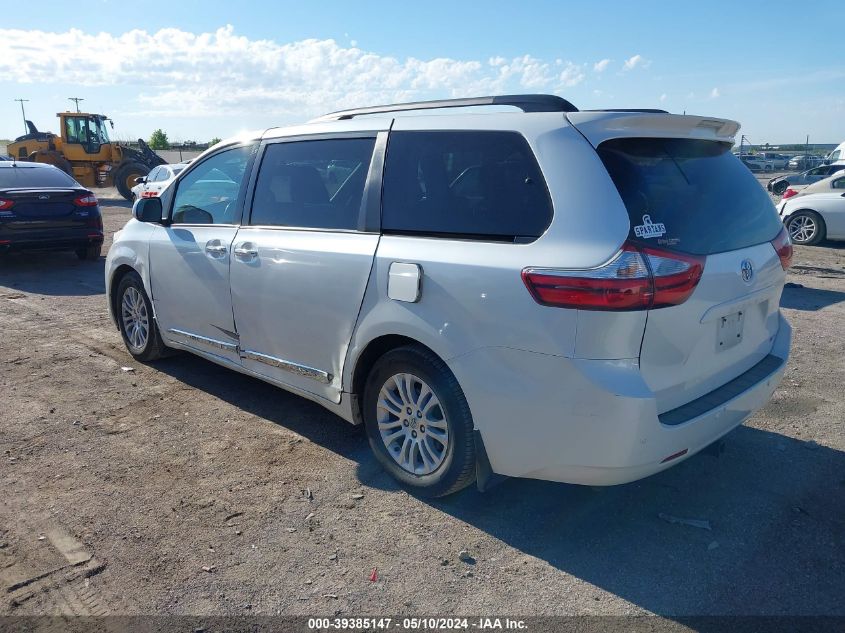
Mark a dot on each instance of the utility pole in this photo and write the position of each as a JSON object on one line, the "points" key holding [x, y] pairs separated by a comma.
{"points": [[23, 114], [76, 100]]}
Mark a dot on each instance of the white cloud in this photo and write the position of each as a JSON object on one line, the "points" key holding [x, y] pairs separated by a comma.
{"points": [[634, 62], [714, 94], [601, 66], [663, 97], [179, 73]]}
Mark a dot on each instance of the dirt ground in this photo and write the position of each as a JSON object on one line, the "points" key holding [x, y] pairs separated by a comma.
{"points": [[184, 488]]}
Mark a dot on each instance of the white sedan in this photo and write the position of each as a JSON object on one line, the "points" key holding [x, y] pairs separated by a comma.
{"points": [[817, 212], [153, 184]]}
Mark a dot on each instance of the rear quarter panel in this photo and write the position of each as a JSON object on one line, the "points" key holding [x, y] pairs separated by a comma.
{"points": [[472, 292]]}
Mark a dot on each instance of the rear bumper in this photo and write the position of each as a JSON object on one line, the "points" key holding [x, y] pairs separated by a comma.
{"points": [[596, 422], [51, 240]]}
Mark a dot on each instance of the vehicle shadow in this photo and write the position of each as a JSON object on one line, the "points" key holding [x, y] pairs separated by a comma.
{"points": [[774, 506], [809, 299], [55, 273]]}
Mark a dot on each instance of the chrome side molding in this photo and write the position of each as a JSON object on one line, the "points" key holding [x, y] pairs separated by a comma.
{"points": [[286, 365], [204, 340]]}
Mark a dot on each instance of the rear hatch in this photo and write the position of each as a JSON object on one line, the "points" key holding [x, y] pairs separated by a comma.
{"points": [[686, 193]]}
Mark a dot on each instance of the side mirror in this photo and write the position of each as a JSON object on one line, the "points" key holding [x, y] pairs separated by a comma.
{"points": [[141, 180], [148, 210]]}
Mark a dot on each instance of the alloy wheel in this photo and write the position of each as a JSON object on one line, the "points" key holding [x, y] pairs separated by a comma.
{"points": [[802, 228], [136, 320], [412, 424]]}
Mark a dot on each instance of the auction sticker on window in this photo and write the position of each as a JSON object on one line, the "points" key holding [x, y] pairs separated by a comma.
{"points": [[649, 229]]}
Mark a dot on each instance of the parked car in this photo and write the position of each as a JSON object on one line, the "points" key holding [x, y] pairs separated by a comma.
{"points": [[432, 292], [154, 183], [817, 212], [804, 161], [755, 162], [798, 181], [778, 161], [41, 207], [5, 157]]}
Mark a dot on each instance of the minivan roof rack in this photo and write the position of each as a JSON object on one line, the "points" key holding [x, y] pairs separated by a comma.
{"points": [[643, 110], [526, 103]]}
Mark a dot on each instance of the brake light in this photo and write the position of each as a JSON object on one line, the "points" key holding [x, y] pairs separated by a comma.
{"points": [[789, 193], [5, 204], [783, 247], [638, 278], [88, 200]]}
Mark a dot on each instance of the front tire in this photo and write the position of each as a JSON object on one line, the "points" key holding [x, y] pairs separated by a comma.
{"points": [[125, 177], [135, 319], [806, 228], [418, 422]]}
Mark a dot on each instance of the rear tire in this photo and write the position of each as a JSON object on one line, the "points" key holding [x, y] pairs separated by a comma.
{"points": [[134, 312], [434, 461], [90, 253], [806, 228], [124, 178]]}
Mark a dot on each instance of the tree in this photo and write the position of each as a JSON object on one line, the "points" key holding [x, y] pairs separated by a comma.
{"points": [[158, 140], [214, 141]]}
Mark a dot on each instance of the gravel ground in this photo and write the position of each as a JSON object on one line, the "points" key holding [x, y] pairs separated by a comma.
{"points": [[183, 488]]}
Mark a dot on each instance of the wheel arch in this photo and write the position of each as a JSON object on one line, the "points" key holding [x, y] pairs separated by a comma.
{"points": [[364, 361], [114, 281]]}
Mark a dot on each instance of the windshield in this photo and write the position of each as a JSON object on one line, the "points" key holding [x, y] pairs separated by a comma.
{"points": [[99, 130]]}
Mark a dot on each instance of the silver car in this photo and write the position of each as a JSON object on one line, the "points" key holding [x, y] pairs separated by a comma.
{"points": [[587, 297]]}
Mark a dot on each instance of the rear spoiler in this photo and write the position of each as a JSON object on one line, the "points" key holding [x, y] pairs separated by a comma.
{"points": [[598, 127]]}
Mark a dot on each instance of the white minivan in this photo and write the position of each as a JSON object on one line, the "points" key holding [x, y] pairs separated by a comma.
{"points": [[577, 296], [837, 156]]}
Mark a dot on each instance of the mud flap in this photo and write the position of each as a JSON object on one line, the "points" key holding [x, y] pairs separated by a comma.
{"points": [[485, 478]]}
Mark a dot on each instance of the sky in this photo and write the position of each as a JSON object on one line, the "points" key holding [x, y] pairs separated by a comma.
{"points": [[210, 68]]}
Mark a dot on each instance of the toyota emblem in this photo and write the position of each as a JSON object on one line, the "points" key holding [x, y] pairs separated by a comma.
{"points": [[746, 270]]}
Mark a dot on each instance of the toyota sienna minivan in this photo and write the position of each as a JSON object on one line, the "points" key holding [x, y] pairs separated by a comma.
{"points": [[525, 290]]}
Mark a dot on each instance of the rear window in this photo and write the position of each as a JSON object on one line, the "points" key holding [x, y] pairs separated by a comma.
{"points": [[35, 177], [470, 185], [689, 195]]}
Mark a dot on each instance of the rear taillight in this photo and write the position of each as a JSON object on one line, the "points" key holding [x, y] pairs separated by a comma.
{"points": [[638, 278], [88, 200], [783, 247], [5, 204], [789, 193]]}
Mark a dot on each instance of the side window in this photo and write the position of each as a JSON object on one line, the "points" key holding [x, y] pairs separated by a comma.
{"points": [[834, 155], [209, 193], [163, 174], [73, 130], [312, 184], [151, 177], [475, 185], [838, 183]]}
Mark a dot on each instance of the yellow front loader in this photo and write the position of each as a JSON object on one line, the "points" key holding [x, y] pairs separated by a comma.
{"points": [[84, 150]]}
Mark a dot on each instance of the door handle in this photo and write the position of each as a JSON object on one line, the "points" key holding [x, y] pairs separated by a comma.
{"points": [[245, 251], [215, 248]]}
